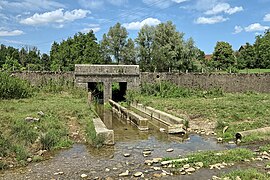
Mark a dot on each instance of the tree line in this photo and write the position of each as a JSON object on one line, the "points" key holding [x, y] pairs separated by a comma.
{"points": [[158, 48]]}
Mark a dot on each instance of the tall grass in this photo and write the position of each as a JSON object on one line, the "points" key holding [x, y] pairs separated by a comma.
{"points": [[13, 87]]}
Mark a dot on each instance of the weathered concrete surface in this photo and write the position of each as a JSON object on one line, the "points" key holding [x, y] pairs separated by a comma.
{"points": [[107, 74], [240, 135], [172, 123], [139, 121], [103, 132], [206, 81]]}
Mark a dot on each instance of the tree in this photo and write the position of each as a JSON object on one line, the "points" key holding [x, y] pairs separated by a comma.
{"points": [[144, 42], [262, 49], [129, 53], [167, 46], [223, 56], [105, 50], [246, 57], [117, 37]]}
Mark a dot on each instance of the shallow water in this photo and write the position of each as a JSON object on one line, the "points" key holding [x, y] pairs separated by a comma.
{"points": [[128, 139]]}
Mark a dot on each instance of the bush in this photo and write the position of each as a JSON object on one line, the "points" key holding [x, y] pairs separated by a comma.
{"points": [[13, 87], [49, 139], [170, 90], [4, 146]]}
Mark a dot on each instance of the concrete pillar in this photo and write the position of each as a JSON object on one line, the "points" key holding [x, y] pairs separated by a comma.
{"points": [[107, 94]]}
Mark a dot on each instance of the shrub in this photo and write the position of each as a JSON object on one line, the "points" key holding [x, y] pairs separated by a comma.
{"points": [[13, 87], [4, 146], [21, 153], [49, 139]]}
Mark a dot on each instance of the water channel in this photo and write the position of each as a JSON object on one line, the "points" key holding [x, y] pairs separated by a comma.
{"points": [[109, 161]]}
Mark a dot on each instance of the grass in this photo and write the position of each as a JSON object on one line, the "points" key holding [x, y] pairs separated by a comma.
{"points": [[240, 111], [21, 139], [247, 174], [213, 157], [248, 71]]}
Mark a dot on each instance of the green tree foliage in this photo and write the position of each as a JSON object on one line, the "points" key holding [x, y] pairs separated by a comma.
{"points": [[129, 53], [223, 56], [81, 49], [14, 59], [167, 46], [262, 50], [246, 57], [144, 43], [114, 42]]}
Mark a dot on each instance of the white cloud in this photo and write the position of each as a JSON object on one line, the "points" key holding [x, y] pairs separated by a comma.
{"points": [[138, 25], [266, 17], [30, 5], [237, 29], [11, 33], [223, 7], [256, 27], [234, 10], [57, 16], [94, 27], [179, 1], [210, 20]]}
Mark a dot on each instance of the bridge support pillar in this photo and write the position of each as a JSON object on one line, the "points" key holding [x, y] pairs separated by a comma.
{"points": [[107, 94]]}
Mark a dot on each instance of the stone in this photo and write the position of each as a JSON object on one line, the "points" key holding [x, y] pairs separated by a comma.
{"points": [[231, 142], [162, 130], [138, 174], [126, 173], [31, 119], [186, 166], [199, 164], [157, 175], [219, 139], [148, 162], [59, 173], [183, 173], [190, 170], [237, 178], [41, 113], [107, 170], [156, 160], [108, 178], [84, 176], [147, 152], [157, 168], [225, 129], [41, 152], [29, 160], [216, 178], [265, 157], [126, 155], [238, 141], [169, 150]]}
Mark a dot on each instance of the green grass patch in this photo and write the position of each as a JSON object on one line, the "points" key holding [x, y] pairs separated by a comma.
{"points": [[214, 157], [247, 174], [21, 139], [239, 111]]}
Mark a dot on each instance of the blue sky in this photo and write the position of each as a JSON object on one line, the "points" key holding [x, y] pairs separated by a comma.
{"points": [[40, 22]]}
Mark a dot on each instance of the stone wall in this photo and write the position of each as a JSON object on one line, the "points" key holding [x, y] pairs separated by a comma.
{"points": [[227, 82], [39, 77]]}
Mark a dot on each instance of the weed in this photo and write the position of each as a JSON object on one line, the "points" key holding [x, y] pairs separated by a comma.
{"points": [[213, 157], [49, 139], [13, 87], [247, 174]]}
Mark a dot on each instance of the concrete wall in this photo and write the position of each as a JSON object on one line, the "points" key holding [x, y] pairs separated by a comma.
{"points": [[227, 82], [39, 77]]}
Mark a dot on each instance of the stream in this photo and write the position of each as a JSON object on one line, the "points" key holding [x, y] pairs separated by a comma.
{"points": [[108, 162]]}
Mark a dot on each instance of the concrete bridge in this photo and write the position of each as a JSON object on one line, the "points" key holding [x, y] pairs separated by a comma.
{"points": [[128, 77]]}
